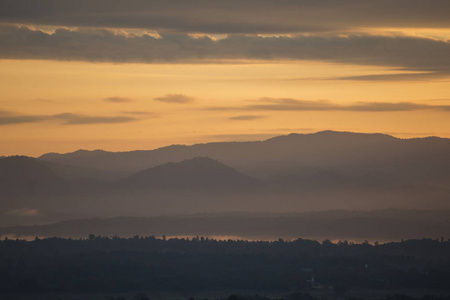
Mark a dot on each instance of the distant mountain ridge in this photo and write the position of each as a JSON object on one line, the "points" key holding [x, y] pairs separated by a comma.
{"points": [[27, 176], [336, 151], [297, 172], [199, 172]]}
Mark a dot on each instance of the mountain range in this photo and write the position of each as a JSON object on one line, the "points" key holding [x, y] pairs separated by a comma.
{"points": [[297, 172], [412, 159]]}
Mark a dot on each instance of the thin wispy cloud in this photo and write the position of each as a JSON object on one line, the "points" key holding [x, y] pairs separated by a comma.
{"points": [[242, 137], [117, 99], [24, 212], [76, 119], [247, 117], [9, 118], [400, 106], [422, 76], [141, 113], [287, 104], [44, 100], [175, 98]]}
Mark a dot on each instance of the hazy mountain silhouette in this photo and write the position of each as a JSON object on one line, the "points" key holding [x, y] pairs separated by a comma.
{"points": [[74, 172], [196, 173], [354, 154], [297, 172], [330, 180], [26, 176], [30, 190], [22, 175]]}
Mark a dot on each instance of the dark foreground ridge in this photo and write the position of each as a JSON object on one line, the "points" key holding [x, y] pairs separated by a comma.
{"points": [[187, 266]]}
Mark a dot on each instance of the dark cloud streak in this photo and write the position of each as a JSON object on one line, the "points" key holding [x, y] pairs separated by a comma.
{"points": [[231, 16], [247, 118], [175, 98], [140, 113], [12, 119], [8, 118], [431, 75], [117, 99], [400, 52], [287, 104], [75, 119]]}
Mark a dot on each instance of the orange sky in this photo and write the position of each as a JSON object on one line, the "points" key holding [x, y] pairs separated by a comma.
{"points": [[34, 87], [125, 91]]}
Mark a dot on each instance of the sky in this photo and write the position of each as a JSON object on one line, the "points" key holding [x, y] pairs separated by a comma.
{"points": [[123, 75]]}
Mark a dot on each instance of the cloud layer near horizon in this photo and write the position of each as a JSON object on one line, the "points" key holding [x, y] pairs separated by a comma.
{"points": [[232, 16], [175, 98], [287, 104], [263, 104], [247, 117], [401, 52], [9, 118], [117, 99]]}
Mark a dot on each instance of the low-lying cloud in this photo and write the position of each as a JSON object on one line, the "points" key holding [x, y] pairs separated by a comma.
{"points": [[427, 75], [288, 104], [175, 98], [9, 118], [140, 113], [247, 117], [242, 137], [117, 99], [24, 212], [76, 119]]}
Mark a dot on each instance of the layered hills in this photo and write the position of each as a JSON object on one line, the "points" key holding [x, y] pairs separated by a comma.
{"points": [[195, 173], [297, 172], [422, 159]]}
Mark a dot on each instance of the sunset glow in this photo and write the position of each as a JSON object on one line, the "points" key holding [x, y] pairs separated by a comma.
{"points": [[67, 85]]}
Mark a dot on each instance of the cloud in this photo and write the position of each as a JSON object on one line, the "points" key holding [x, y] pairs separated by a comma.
{"points": [[9, 118], [242, 137], [44, 100], [399, 52], [247, 118], [231, 16], [117, 99], [175, 98], [291, 104], [400, 106], [399, 76], [75, 119], [287, 104], [24, 212], [20, 119], [141, 113]]}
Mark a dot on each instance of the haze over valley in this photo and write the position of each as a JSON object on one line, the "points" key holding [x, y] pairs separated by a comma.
{"points": [[293, 173]]}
